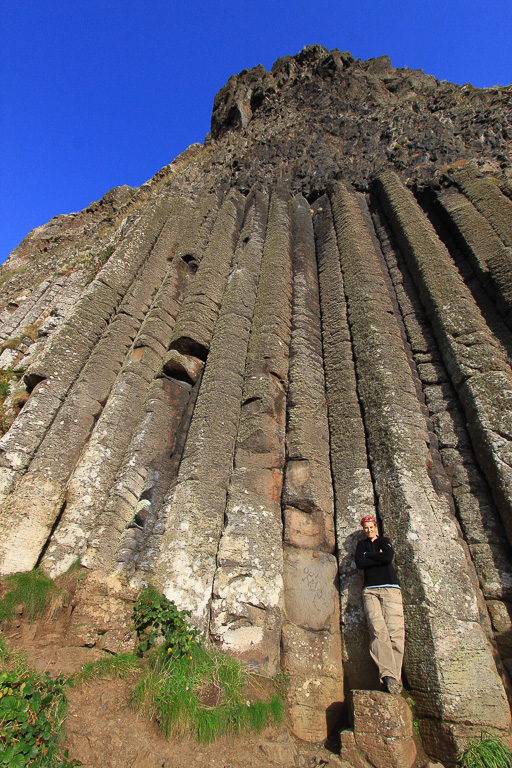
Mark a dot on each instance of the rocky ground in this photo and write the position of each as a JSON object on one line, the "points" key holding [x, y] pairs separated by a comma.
{"points": [[103, 729]]}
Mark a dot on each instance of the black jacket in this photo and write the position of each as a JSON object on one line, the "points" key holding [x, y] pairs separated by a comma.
{"points": [[375, 559]]}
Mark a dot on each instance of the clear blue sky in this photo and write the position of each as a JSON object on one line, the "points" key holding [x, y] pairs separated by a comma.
{"points": [[97, 94]]}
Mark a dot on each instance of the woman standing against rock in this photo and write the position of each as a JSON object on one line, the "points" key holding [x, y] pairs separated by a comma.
{"points": [[382, 598]]}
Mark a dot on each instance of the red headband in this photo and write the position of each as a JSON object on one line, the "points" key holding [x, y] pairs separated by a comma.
{"points": [[368, 519]]}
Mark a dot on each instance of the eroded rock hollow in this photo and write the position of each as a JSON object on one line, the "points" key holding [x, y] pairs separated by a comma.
{"points": [[210, 379]]}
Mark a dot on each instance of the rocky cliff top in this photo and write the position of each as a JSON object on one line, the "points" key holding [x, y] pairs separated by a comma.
{"points": [[315, 117], [323, 115]]}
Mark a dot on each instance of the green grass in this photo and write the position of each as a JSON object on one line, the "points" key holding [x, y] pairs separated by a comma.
{"points": [[32, 590], [117, 667], [486, 752], [202, 696], [6, 374]]}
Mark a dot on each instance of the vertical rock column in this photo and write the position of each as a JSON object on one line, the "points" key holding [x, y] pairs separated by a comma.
{"points": [[311, 635], [477, 366], [353, 486], [59, 366], [449, 664], [248, 586], [152, 459], [476, 512], [488, 199], [95, 472], [172, 397], [490, 259], [33, 507], [195, 509]]}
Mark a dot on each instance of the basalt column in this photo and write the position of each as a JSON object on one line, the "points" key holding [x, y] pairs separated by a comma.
{"points": [[476, 512], [214, 269], [448, 665], [488, 199], [248, 585], [474, 359], [68, 351], [194, 512], [96, 469], [353, 486], [311, 638], [488, 256], [40, 493], [152, 459]]}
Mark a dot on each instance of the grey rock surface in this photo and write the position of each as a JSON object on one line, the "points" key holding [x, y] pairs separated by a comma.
{"points": [[207, 382]]}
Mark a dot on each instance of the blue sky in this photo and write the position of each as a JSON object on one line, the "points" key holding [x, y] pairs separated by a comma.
{"points": [[97, 94]]}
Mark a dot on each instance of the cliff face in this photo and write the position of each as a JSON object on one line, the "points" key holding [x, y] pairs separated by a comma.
{"points": [[209, 380]]}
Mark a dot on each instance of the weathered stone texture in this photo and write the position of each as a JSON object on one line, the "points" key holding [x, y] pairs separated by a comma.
{"points": [[440, 600], [247, 590], [120, 534], [44, 308], [477, 514], [311, 644], [383, 729], [96, 469], [195, 509], [194, 327], [102, 615], [220, 373], [68, 350], [307, 483], [198, 227], [487, 198], [351, 474], [476, 364], [42, 488], [489, 257]]}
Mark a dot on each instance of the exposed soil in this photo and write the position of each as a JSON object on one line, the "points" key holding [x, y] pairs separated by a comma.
{"points": [[102, 729]]}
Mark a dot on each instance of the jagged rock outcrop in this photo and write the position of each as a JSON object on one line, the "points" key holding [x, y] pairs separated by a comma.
{"points": [[207, 382]]}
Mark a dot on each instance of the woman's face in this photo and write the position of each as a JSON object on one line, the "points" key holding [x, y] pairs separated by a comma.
{"points": [[370, 529]]}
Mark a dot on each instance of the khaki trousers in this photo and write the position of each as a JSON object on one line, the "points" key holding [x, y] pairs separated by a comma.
{"points": [[385, 616]]}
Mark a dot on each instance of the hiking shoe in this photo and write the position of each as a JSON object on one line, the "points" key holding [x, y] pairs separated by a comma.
{"points": [[392, 686]]}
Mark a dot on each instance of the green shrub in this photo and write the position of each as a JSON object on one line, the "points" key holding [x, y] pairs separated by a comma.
{"points": [[486, 752], [202, 696], [190, 691], [32, 709], [32, 590], [155, 616]]}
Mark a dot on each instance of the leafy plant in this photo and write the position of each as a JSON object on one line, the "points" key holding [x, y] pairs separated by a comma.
{"points": [[189, 690], [202, 696], [31, 589], [32, 709], [486, 752], [155, 616]]}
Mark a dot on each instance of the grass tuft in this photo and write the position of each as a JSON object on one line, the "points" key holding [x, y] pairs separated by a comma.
{"points": [[117, 667], [32, 590], [486, 752], [201, 696]]}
